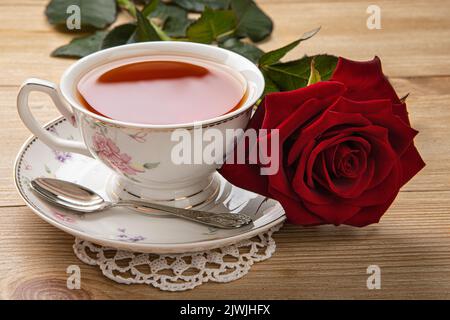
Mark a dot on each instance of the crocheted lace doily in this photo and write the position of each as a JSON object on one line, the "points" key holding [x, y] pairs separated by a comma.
{"points": [[178, 272]]}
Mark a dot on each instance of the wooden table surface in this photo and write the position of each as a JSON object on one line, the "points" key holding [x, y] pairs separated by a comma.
{"points": [[411, 244]]}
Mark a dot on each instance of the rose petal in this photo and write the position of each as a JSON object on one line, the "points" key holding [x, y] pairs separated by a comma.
{"points": [[335, 214], [301, 188], [400, 134], [371, 214], [341, 138], [315, 152], [382, 191], [280, 105], [364, 80], [411, 163], [381, 113], [364, 107], [384, 157], [344, 187], [307, 111], [246, 176], [281, 182], [381, 150], [399, 109], [295, 211], [328, 120]]}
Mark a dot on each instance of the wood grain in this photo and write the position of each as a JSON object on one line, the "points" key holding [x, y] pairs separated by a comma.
{"points": [[411, 244]]}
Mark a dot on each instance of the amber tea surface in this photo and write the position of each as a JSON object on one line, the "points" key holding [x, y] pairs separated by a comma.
{"points": [[160, 91]]}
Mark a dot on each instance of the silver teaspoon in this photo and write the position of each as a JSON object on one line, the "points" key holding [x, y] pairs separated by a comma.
{"points": [[78, 198]]}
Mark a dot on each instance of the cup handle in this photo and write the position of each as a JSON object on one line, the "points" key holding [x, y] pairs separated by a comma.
{"points": [[29, 120]]}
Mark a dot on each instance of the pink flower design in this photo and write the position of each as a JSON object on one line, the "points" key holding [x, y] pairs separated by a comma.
{"points": [[107, 150], [62, 217], [27, 166]]}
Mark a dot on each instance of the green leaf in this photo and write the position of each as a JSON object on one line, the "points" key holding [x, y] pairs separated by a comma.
{"points": [[161, 33], [150, 7], [47, 169], [173, 19], [325, 64], [97, 14], [164, 11], [274, 56], [295, 74], [314, 75], [403, 99], [176, 27], [151, 165], [82, 46], [212, 25], [270, 85], [119, 35], [252, 21], [145, 30], [128, 6], [200, 5], [247, 50]]}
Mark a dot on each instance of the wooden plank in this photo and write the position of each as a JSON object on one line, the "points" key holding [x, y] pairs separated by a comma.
{"points": [[410, 245]]}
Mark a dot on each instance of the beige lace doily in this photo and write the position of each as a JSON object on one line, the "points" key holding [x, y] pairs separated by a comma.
{"points": [[178, 272]]}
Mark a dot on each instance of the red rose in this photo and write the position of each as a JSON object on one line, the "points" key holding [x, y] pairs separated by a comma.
{"points": [[346, 148]]}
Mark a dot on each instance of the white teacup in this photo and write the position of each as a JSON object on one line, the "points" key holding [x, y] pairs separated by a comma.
{"points": [[139, 154]]}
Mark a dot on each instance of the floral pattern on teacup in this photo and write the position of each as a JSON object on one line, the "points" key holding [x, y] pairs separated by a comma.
{"points": [[109, 152], [139, 136], [62, 156], [27, 166], [123, 236], [63, 217]]}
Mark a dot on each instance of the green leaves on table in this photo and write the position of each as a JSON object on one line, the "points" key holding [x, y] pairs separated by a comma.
{"points": [[96, 14], [270, 86], [173, 19], [82, 46], [291, 75], [201, 5], [276, 55], [120, 35], [150, 7], [231, 24], [212, 26], [252, 21], [296, 73], [247, 50], [145, 31]]}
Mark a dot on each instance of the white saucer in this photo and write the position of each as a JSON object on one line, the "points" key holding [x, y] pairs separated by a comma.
{"points": [[125, 228]]}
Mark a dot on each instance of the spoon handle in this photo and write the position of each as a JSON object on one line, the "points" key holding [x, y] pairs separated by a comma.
{"points": [[219, 220]]}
